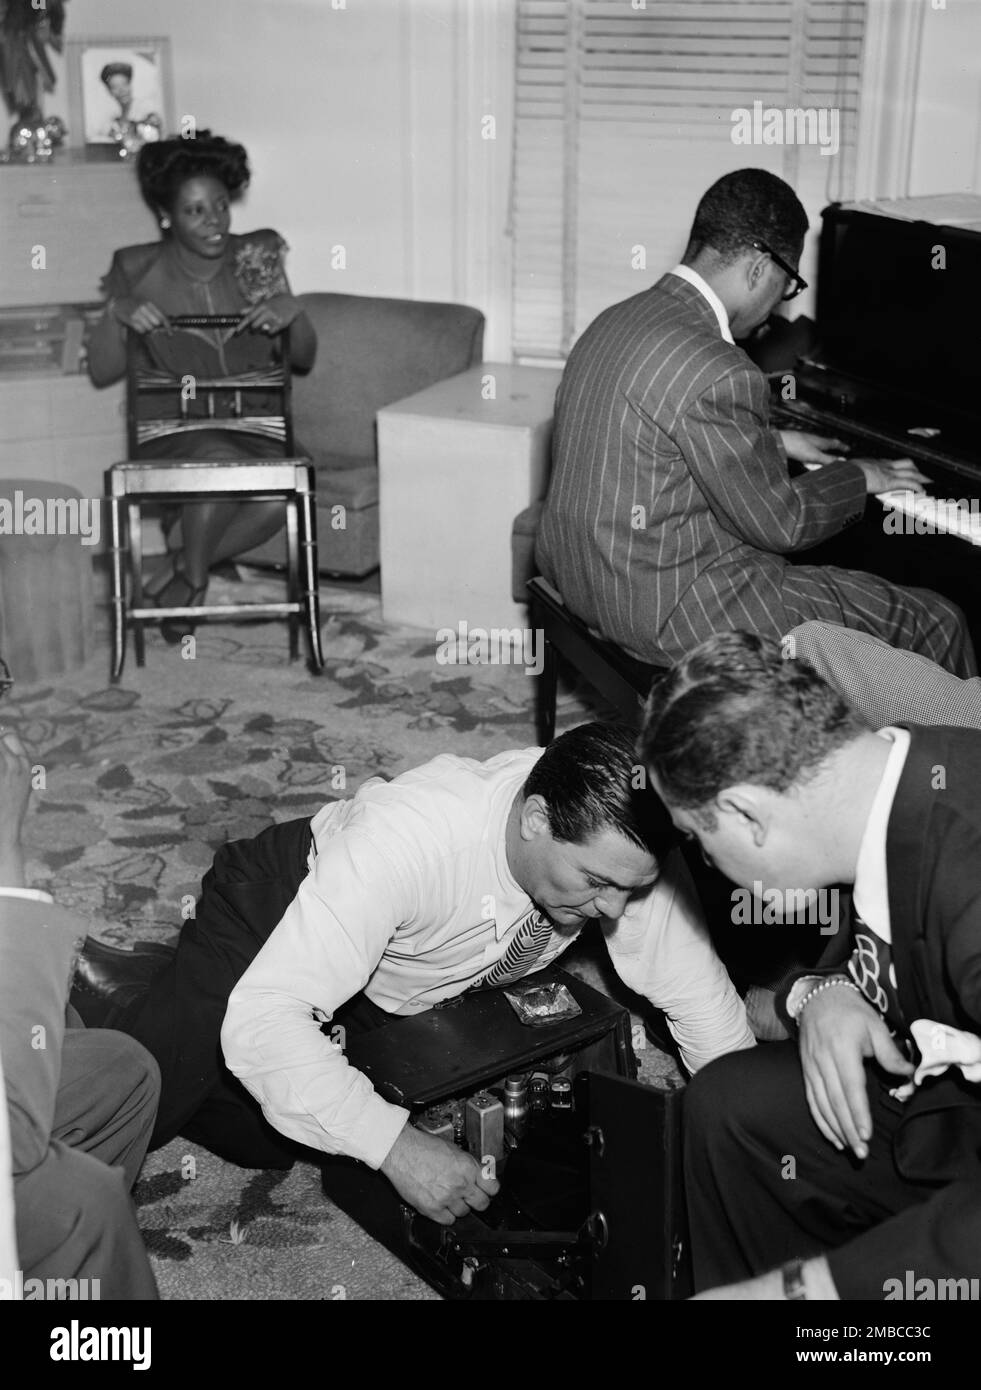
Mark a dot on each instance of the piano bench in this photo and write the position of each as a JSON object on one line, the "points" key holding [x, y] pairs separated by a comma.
{"points": [[622, 680]]}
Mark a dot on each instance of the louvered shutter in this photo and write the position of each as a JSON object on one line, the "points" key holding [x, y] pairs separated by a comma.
{"points": [[539, 192], [624, 118]]}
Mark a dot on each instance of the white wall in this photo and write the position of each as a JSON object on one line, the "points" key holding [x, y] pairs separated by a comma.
{"points": [[946, 152], [920, 126], [360, 122], [318, 96]]}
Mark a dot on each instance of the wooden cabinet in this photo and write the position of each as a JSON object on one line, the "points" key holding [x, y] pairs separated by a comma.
{"points": [[456, 464], [78, 214], [61, 429], [59, 225]]}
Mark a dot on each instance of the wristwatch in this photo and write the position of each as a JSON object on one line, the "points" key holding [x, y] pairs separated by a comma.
{"points": [[793, 1281]]}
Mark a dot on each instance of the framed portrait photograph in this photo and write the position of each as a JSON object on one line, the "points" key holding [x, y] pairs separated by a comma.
{"points": [[118, 87]]}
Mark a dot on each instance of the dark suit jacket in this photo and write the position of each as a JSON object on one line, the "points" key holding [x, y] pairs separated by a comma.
{"points": [[933, 857], [38, 945], [670, 507]]}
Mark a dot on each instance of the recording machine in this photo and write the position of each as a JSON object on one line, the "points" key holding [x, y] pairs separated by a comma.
{"points": [[895, 371], [588, 1158]]}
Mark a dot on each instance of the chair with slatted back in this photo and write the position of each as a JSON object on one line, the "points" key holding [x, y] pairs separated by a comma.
{"points": [[197, 404]]}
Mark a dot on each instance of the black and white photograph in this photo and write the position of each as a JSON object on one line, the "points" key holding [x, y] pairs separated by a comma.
{"points": [[120, 83], [490, 715]]}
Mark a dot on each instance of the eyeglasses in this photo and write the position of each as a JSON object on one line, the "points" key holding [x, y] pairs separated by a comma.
{"points": [[798, 285], [6, 679]]}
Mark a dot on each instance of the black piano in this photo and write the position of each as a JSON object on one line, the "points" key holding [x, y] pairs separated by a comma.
{"points": [[895, 371]]}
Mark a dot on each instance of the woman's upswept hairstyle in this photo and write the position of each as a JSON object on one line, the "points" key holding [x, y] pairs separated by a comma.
{"points": [[163, 165], [591, 781], [741, 708], [116, 70]]}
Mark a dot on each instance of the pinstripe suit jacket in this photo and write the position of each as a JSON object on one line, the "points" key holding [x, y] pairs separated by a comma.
{"points": [[670, 506]]}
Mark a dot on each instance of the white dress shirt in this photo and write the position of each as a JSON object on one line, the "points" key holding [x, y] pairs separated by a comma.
{"points": [[870, 893], [685, 272], [410, 897]]}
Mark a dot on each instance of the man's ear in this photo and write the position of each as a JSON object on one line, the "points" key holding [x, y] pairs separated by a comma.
{"points": [[534, 817], [756, 269], [749, 809]]}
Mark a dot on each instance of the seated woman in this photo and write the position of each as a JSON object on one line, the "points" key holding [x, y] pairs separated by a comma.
{"points": [[200, 267]]}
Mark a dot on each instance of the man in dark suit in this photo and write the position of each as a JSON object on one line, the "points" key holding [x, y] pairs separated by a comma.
{"points": [[80, 1102], [847, 1163], [670, 507]]}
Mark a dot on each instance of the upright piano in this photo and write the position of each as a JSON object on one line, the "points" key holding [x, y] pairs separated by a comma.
{"points": [[895, 371]]}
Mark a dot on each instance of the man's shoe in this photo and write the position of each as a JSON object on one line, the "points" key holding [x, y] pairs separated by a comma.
{"points": [[108, 979]]}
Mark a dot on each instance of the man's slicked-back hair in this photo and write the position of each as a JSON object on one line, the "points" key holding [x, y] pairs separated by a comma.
{"points": [[736, 710], [591, 781], [746, 206]]}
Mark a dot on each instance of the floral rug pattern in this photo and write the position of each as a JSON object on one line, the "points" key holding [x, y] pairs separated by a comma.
{"points": [[137, 785]]}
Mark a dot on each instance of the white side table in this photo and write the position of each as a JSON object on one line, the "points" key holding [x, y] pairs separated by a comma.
{"points": [[457, 463]]}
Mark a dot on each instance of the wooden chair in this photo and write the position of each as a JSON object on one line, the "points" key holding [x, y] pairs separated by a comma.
{"points": [[220, 403], [622, 680]]}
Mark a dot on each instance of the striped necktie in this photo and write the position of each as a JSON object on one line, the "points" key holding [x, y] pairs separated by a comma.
{"points": [[522, 954]]}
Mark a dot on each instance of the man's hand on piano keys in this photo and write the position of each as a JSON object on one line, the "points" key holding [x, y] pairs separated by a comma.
{"points": [[891, 475], [811, 449]]}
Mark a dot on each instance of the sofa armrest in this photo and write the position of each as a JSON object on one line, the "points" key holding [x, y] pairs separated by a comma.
{"points": [[523, 532]]}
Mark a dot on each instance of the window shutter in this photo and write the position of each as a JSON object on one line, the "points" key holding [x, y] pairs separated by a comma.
{"points": [[623, 119], [539, 193]]}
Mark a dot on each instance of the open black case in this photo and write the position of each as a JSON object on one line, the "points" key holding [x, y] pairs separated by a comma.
{"points": [[590, 1205]]}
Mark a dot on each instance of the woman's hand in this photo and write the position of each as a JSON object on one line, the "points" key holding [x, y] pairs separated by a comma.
{"points": [[142, 315], [270, 316]]}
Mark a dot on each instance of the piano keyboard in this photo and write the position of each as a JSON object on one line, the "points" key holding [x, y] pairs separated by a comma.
{"points": [[936, 516]]}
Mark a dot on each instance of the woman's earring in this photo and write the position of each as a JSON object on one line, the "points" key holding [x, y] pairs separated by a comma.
{"points": [[165, 224]]}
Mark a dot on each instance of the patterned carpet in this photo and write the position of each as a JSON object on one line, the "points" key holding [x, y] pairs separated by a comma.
{"points": [[145, 780], [137, 785]]}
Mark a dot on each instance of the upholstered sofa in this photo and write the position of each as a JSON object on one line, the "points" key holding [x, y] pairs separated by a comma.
{"points": [[370, 353]]}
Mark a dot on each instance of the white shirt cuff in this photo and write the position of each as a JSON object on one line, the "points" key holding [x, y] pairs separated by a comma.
{"points": [[34, 894], [381, 1124]]}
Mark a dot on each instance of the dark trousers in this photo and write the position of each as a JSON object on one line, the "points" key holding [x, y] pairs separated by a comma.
{"points": [[74, 1216], [244, 896], [762, 1183]]}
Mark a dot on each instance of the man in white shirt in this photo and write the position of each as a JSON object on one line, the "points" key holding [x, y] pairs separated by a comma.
{"points": [[455, 875], [845, 1163]]}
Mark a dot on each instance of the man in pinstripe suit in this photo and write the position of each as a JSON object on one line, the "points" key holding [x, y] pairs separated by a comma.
{"points": [[670, 507]]}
